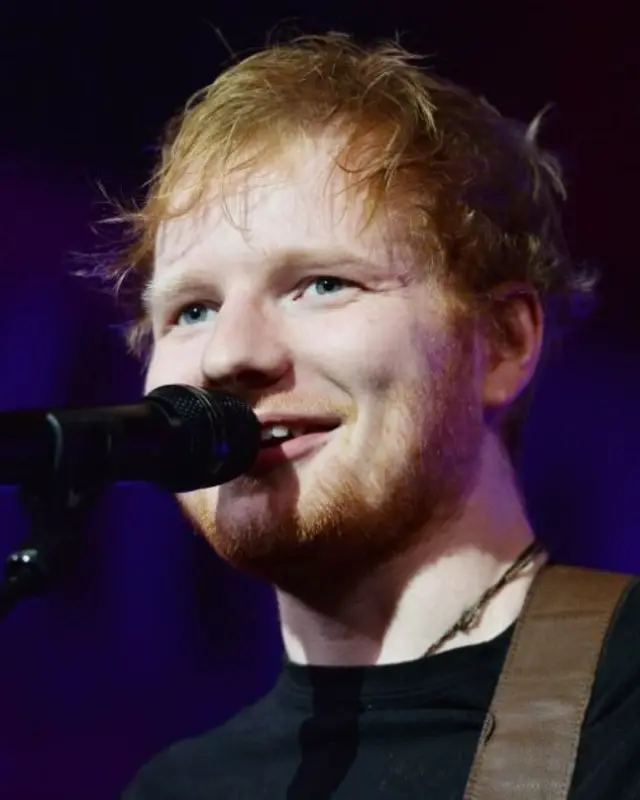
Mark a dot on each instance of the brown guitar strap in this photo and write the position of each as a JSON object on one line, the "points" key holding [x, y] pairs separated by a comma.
{"points": [[530, 739]]}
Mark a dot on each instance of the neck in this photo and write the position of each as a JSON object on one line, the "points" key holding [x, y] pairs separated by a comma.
{"points": [[396, 613]]}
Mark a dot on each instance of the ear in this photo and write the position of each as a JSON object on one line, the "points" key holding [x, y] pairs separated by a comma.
{"points": [[513, 344]]}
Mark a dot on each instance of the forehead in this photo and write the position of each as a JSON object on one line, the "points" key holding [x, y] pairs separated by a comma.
{"points": [[300, 201]]}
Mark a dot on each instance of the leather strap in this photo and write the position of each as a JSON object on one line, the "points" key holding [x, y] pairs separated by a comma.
{"points": [[529, 743]]}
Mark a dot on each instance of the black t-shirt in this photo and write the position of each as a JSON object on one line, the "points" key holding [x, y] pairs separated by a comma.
{"points": [[398, 731]]}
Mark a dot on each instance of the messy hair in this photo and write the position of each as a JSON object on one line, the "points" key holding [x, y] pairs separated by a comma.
{"points": [[480, 200]]}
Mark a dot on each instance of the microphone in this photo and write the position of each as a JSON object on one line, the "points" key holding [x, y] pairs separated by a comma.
{"points": [[179, 437]]}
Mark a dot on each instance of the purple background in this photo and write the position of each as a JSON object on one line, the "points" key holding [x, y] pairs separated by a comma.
{"points": [[152, 638]]}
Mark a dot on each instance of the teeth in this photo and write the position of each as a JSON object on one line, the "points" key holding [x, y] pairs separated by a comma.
{"points": [[280, 432]]}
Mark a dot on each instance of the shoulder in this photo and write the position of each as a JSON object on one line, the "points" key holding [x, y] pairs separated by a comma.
{"points": [[608, 764], [203, 765], [619, 665]]}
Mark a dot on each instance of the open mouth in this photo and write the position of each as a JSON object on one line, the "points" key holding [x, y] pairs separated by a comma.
{"points": [[288, 442], [277, 434]]}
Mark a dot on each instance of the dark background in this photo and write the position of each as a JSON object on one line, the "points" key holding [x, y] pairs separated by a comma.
{"points": [[151, 638]]}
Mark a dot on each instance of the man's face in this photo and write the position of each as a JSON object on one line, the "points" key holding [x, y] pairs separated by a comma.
{"points": [[279, 293]]}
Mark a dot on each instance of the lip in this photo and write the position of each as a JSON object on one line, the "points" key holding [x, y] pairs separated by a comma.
{"points": [[292, 449], [297, 420]]}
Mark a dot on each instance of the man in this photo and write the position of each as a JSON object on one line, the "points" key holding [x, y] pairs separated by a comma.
{"points": [[373, 259]]}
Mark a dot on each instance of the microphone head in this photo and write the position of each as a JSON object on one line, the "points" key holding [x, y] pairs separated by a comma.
{"points": [[216, 437]]}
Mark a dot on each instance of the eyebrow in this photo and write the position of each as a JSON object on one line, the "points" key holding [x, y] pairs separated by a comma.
{"points": [[160, 289]]}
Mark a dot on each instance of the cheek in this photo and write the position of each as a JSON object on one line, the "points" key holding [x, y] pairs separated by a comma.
{"points": [[378, 363], [385, 373], [363, 353], [399, 380], [174, 363]]}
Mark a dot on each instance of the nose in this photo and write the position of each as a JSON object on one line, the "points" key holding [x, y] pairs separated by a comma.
{"points": [[246, 350]]}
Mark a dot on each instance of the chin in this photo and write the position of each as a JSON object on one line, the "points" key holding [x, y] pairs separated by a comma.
{"points": [[337, 514]]}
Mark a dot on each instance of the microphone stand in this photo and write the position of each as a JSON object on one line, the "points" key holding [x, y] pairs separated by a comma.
{"points": [[57, 512]]}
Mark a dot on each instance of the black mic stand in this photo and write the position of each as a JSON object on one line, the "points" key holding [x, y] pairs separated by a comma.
{"points": [[57, 512]]}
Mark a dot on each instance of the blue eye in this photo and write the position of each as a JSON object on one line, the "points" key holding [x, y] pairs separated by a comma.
{"points": [[328, 284], [193, 314]]}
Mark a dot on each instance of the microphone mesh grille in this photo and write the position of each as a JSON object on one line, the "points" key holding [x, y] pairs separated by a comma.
{"points": [[219, 436]]}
